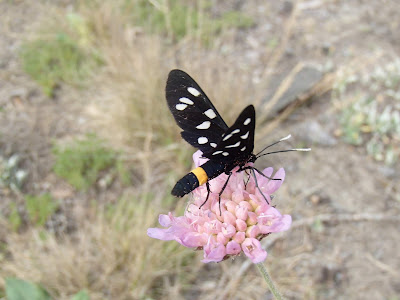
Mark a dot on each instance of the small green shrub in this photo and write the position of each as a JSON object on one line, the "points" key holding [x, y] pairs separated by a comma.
{"points": [[123, 172], [82, 295], [373, 117], [176, 20], [81, 162], [11, 174], [18, 289], [14, 218], [236, 19], [179, 19], [40, 208], [59, 58]]}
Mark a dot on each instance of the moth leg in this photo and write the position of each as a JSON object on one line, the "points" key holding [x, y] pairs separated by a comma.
{"points": [[208, 194], [248, 179], [255, 179], [220, 193], [262, 174], [259, 172]]}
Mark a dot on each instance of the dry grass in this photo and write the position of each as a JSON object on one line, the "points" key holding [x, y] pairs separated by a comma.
{"points": [[110, 255]]}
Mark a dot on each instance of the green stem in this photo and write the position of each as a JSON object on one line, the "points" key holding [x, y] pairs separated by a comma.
{"points": [[269, 282]]}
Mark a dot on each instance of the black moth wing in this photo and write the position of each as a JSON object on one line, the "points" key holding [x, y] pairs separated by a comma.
{"points": [[237, 143], [193, 112]]}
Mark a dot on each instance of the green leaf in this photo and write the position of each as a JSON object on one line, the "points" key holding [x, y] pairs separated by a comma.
{"points": [[82, 295], [18, 289]]}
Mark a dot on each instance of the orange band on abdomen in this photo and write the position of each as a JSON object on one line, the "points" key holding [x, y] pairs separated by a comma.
{"points": [[200, 175]]}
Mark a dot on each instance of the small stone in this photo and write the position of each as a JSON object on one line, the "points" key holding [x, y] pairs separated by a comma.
{"points": [[313, 132], [304, 80], [315, 199]]}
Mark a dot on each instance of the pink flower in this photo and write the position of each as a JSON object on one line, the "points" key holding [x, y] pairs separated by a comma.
{"points": [[245, 217]]}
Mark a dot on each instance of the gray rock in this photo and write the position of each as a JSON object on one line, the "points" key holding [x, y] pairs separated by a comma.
{"points": [[387, 171], [313, 132], [303, 81]]}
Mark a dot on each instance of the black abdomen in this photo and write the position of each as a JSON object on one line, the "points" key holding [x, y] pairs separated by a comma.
{"points": [[189, 182], [185, 185]]}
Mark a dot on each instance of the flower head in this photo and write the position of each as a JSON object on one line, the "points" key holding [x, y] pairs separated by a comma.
{"points": [[244, 220]]}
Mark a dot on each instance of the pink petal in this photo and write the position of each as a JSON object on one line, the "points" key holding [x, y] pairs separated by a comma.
{"points": [[273, 185], [214, 253], [252, 248], [241, 212], [231, 206], [262, 181], [271, 220], [233, 248], [198, 161], [253, 231], [237, 195], [241, 225], [161, 234], [229, 217], [165, 220], [268, 212], [282, 225], [213, 227], [221, 238], [194, 240], [252, 218], [239, 237], [228, 230], [246, 204]]}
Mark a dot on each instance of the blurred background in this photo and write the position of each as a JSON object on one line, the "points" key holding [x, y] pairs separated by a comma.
{"points": [[89, 150]]}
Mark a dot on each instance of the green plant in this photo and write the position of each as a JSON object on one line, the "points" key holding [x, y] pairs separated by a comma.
{"points": [[236, 19], [81, 162], [11, 174], [40, 208], [373, 117], [14, 218], [178, 19], [18, 289], [62, 57], [123, 172], [82, 295]]}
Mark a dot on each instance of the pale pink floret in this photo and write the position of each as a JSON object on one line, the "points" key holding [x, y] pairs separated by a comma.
{"points": [[245, 217]]}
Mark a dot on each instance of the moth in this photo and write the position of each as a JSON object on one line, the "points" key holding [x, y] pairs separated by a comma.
{"points": [[203, 128]]}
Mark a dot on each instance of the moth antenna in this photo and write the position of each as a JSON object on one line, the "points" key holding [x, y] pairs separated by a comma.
{"points": [[288, 150], [285, 138], [277, 142]]}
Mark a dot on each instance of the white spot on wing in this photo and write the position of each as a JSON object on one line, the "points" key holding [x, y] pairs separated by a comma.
{"points": [[180, 106], [227, 137], [193, 91], [217, 152], [186, 100], [225, 153], [247, 121], [213, 145], [204, 125], [245, 136], [233, 146], [235, 131], [244, 148], [210, 113], [202, 140]]}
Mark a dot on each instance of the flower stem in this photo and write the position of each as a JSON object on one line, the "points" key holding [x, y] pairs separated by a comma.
{"points": [[269, 282]]}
